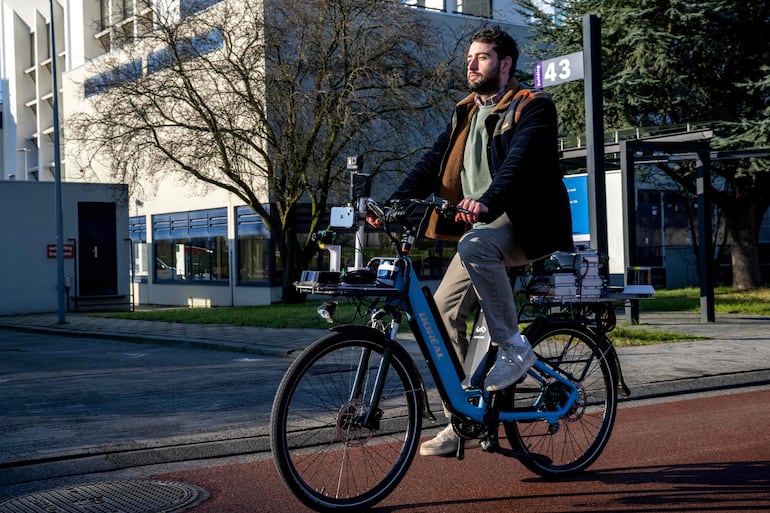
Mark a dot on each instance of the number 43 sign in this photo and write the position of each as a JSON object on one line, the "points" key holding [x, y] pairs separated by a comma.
{"points": [[559, 70]]}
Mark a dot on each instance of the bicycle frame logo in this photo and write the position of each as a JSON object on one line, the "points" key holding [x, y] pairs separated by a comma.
{"points": [[432, 338]]}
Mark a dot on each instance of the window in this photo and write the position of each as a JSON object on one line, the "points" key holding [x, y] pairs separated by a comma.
{"points": [[104, 15], [436, 5], [159, 60], [482, 8], [191, 246], [137, 227], [200, 45], [127, 8], [253, 247]]}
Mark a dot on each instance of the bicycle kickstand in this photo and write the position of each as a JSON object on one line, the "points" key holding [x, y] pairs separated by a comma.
{"points": [[460, 454]]}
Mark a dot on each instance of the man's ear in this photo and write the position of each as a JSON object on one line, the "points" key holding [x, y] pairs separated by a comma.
{"points": [[507, 65]]}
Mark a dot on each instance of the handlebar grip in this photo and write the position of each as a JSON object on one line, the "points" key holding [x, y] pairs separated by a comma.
{"points": [[482, 217]]}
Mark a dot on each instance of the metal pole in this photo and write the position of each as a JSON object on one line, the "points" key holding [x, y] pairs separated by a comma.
{"points": [[629, 222], [74, 272], [597, 189], [60, 290], [360, 234], [133, 276], [26, 160], [705, 246]]}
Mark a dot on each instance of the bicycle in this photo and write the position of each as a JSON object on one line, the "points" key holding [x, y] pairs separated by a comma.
{"points": [[348, 413]]}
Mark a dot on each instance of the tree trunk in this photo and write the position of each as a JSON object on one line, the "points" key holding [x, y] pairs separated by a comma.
{"points": [[744, 253], [291, 256]]}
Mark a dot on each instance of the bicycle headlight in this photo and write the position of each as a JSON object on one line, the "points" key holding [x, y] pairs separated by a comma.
{"points": [[326, 311]]}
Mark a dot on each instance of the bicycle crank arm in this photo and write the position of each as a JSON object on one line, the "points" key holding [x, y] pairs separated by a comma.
{"points": [[494, 447], [492, 444]]}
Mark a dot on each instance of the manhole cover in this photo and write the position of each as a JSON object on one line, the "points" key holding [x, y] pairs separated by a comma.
{"points": [[112, 497]]}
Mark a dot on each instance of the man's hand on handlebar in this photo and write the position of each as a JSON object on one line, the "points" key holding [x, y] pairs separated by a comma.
{"points": [[469, 211], [373, 220]]}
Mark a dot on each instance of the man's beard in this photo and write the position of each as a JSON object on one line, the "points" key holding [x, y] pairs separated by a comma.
{"points": [[487, 84]]}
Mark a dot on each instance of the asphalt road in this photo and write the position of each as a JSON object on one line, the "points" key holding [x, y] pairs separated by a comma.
{"points": [[694, 455], [77, 410], [74, 406]]}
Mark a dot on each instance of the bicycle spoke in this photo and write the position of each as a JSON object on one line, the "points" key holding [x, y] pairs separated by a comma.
{"points": [[576, 440], [325, 451]]}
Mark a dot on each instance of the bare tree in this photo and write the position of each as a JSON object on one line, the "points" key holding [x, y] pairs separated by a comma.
{"points": [[266, 100]]}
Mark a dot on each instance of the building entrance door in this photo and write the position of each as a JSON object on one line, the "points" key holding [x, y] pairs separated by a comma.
{"points": [[97, 252]]}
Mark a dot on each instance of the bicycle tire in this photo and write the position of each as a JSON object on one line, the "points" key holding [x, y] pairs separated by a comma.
{"points": [[580, 437], [328, 462]]}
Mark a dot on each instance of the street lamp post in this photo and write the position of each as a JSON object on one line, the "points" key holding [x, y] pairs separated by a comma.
{"points": [[60, 286]]}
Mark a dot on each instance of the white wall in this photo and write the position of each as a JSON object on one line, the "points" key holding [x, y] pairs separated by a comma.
{"points": [[28, 278]]}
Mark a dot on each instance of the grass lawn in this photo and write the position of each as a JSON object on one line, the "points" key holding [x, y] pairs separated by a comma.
{"points": [[304, 316], [726, 300]]}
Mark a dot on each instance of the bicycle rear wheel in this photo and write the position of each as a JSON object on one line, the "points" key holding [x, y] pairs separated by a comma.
{"points": [[578, 438], [336, 446]]}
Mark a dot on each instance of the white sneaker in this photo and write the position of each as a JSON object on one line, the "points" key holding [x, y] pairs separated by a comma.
{"points": [[511, 363], [445, 443]]}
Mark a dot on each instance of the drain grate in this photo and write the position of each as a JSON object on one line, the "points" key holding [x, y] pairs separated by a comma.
{"points": [[118, 496]]}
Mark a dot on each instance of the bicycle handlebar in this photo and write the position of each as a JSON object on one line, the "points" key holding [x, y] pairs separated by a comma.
{"points": [[399, 210]]}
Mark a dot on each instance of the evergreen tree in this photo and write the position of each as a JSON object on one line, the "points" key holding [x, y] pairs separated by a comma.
{"points": [[677, 62]]}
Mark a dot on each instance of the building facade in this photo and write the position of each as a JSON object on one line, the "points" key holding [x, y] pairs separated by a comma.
{"points": [[95, 243], [192, 244]]}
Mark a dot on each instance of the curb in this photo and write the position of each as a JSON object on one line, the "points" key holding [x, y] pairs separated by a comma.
{"points": [[235, 347]]}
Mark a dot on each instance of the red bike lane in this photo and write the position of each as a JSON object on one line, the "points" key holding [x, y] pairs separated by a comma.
{"points": [[707, 454]]}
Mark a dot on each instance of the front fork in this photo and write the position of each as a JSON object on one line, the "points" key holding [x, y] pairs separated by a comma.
{"points": [[371, 414], [370, 419]]}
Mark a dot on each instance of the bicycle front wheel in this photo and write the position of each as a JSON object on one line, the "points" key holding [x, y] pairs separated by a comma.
{"points": [[346, 422], [579, 438]]}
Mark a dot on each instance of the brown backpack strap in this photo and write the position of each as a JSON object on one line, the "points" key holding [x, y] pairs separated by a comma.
{"points": [[522, 98]]}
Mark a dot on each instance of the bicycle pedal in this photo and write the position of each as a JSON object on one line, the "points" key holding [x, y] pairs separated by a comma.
{"points": [[489, 446]]}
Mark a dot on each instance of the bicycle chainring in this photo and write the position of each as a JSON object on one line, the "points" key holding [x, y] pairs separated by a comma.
{"points": [[604, 316], [468, 430]]}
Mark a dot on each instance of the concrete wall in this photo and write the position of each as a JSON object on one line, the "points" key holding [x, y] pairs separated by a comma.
{"points": [[28, 277]]}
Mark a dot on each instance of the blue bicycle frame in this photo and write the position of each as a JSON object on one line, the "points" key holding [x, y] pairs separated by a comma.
{"points": [[416, 300]]}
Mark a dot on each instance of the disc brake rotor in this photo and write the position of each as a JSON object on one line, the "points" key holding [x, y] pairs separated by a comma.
{"points": [[350, 428]]}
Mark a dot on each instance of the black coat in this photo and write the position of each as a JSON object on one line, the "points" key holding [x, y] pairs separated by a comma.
{"points": [[527, 181]]}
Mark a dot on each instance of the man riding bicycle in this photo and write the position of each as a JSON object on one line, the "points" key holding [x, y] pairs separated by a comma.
{"points": [[498, 160]]}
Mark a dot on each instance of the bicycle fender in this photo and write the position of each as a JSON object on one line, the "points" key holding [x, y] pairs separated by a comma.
{"points": [[608, 348], [368, 332], [365, 331]]}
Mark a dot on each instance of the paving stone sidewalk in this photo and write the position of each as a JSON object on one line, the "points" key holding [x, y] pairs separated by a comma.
{"points": [[734, 344]]}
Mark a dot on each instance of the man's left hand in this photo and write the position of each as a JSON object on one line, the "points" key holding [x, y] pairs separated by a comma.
{"points": [[473, 209]]}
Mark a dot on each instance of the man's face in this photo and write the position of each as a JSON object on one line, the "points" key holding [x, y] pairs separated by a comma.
{"points": [[486, 73]]}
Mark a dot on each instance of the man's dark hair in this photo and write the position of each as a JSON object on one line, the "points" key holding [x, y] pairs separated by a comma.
{"points": [[502, 42]]}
